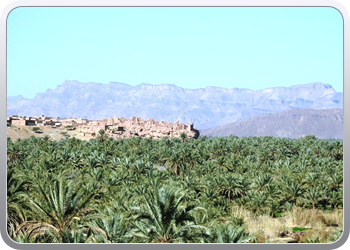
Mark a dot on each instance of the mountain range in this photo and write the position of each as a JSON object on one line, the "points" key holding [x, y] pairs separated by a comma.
{"points": [[206, 107], [294, 123]]}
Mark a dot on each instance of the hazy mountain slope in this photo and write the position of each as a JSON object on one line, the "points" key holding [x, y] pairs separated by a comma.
{"points": [[295, 123], [206, 107]]}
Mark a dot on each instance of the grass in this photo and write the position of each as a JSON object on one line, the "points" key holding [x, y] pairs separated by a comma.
{"points": [[277, 215], [312, 225], [300, 229]]}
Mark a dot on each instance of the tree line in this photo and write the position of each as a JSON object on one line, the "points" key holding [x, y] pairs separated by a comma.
{"points": [[167, 190]]}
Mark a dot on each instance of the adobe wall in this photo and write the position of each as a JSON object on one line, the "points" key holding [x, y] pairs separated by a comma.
{"points": [[18, 122], [127, 128]]}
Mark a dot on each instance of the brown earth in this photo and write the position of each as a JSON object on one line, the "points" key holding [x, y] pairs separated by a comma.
{"points": [[16, 133]]}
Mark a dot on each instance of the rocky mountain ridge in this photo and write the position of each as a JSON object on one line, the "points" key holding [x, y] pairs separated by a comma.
{"points": [[205, 107], [295, 123]]}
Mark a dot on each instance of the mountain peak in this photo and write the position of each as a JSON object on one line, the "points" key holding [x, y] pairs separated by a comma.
{"points": [[158, 86], [206, 107], [313, 85]]}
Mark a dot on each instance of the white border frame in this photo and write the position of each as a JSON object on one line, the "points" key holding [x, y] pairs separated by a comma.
{"points": [[170, 3]]}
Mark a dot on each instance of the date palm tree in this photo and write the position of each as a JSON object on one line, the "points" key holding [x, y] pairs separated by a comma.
{"points": [[14, 154], [59, 207], [16, 202], [183, 136], [165, 218], [229, 233], [292, 191], [102, 136], [174, 161], [336, 198], [313, 195], [231, 186], [258, 202], [261, 181], [113, 225]]}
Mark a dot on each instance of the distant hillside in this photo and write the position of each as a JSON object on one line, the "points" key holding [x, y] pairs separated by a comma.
{"points": [[205, 107], [295, 123]]}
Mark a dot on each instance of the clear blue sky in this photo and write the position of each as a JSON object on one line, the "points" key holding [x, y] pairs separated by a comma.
{"points": [[247, 47]]}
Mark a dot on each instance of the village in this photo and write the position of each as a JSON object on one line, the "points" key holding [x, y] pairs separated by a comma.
{"points": [[115, 127]]}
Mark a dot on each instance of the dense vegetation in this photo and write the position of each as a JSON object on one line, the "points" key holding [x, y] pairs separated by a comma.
{"points": [[168, 190]]}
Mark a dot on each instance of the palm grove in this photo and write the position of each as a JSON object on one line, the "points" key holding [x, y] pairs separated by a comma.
{"points": [[175, 190]]}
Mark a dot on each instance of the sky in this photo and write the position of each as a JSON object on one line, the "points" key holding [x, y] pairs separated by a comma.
{"points": [[191, 47]]}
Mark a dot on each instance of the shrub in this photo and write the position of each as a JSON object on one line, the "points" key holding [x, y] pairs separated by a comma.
{"points": [[307, 217], [36, 129], [310, 137], [70, 127]]}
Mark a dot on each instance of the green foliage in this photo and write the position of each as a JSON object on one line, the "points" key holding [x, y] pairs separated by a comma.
{"points": [[314, 239], [70, 127], [35, 129], [337, 233], [310, 137], [165, 218], [183, 136], [168, 190], [300, 229], [102, 136], [277, 215]]}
